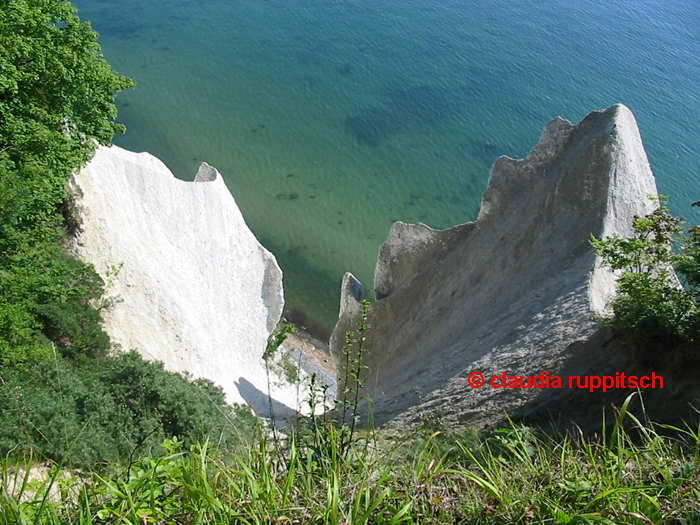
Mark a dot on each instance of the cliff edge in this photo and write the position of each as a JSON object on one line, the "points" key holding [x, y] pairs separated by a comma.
{"points": [[190, 284], [516, 292]]}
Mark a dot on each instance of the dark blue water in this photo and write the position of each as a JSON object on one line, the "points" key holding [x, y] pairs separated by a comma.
{"points": [[332, 119]]}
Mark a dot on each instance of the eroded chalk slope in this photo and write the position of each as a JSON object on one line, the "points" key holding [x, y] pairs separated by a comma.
{"points": [[517, 290]]}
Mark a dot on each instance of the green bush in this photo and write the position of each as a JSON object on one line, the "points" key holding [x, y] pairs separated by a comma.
{"points": [[110, 409], [657, 306]]}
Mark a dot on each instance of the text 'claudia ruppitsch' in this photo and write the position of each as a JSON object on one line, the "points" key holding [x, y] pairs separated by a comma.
{"points": [[546, 380]]}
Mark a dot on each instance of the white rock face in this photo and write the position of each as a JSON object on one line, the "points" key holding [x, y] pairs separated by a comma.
{"points": [[195, 289], [517, 290]]}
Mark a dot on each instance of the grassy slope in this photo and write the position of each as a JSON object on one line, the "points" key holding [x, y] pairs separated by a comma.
{"points": [[510, 476]]}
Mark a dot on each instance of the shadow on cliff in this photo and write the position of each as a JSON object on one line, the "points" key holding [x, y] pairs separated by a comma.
{"points": [[261, 402], [672, 402]]}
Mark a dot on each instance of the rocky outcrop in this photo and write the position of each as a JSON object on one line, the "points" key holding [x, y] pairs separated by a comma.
{"points": [[516, 291], [190, 284]]}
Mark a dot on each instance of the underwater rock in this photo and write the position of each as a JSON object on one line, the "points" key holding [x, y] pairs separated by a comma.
{"points": [[401, 109]]}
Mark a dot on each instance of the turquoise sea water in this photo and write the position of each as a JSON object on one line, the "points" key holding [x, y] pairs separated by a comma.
{"points": [[330, 119]]}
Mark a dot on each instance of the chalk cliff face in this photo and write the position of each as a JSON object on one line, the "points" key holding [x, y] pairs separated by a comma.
{"points": [[516, 291], [192, 286]]}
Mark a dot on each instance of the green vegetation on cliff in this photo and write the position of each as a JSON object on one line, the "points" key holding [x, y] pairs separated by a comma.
{"points": [[657, 306], [62, 396], [56, 103], [432, 477], [89, 411]]}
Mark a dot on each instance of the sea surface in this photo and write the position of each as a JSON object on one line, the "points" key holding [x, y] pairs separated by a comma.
{"points": [[331, 119]]}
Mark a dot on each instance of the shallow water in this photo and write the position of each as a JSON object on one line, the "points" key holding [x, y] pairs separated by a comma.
{"points": [[332, 119]]}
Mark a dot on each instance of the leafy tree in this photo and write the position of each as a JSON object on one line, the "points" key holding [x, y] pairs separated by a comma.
{"points": [[57, 90], [56, 104], [657, 306]]}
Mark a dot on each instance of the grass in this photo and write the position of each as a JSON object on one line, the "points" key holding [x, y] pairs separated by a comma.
{"points": [[634, 475]]}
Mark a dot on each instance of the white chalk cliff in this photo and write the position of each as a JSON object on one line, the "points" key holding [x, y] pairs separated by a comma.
{"points": [[194, 288], [516, 291]]}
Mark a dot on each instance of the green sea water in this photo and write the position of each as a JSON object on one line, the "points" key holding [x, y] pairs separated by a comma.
{"points": [[332, 119]]}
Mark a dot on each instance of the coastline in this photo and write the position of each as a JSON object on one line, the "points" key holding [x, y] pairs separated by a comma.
{"points": [[325, 143]]}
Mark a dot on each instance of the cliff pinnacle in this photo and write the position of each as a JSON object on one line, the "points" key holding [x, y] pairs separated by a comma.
{"points": [[516, 291]]}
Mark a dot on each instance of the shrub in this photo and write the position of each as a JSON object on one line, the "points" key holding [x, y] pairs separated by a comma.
{"points": [[111, 409], [657, 306]]}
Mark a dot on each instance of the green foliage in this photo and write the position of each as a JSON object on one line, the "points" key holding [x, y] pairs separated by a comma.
{"points": [[281, 363], [508, 476], [56, 91], [56, 103], [352, 383], [689, 262], [277, 338], [110, 409], [650, 249], [655, 307], [333, 438]]}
